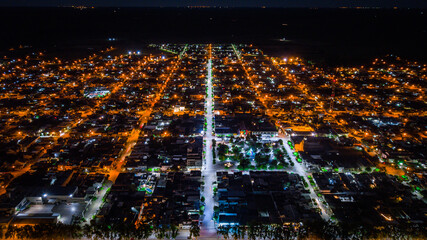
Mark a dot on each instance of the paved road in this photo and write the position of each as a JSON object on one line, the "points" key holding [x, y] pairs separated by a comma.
{"points": [[94, 207], [299, 167], [114, 173], [302, 171], [209, 174], [133, 138]]}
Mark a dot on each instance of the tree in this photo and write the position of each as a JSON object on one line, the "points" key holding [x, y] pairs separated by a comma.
{"points": [[146, 230], [242, 230], [244, 163], [160, 232], [266, 231], [273, 164], [194, 230], [87, 231], [252, 231], [2, 231], [76, 231], [10, 232], [279, 156], [254, 138], [224, 231], [174, 231], [261, 160], [288, 232], [236, 232], [302, 232], [277, 231], [236, 150], [222, 151]]}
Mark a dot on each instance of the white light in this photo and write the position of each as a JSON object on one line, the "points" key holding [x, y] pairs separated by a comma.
{"points": [[129, 52], [45, 195]]}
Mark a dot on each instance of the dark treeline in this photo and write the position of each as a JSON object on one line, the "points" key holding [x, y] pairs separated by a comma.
{"points": [[323, 230], [93, 231], [312, 230]]}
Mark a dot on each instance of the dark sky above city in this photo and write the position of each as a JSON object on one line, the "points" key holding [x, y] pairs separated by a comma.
{"points": [[222, 3]]}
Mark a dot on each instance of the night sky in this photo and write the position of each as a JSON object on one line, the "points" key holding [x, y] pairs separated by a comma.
{"points": [[222, 3]]}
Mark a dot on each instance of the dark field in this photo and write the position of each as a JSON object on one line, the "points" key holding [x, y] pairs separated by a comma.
{"points": [[340, 36]]}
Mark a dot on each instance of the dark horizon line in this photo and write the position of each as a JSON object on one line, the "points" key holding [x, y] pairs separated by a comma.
{"points": [[224, 3], [207, 7]]}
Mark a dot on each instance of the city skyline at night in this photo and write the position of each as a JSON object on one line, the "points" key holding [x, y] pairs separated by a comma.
{"points": [[213, 120]]}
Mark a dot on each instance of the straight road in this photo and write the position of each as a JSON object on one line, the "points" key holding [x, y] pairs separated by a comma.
{"points": [[208, 172], [132, 139], [96, 204], [299, 167], [302, 171]]}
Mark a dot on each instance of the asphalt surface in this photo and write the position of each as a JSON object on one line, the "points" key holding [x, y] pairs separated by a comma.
{"points": [[208, 172]]}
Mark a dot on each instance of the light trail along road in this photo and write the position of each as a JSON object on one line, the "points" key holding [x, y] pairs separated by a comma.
{"points": [[208, 172]]}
